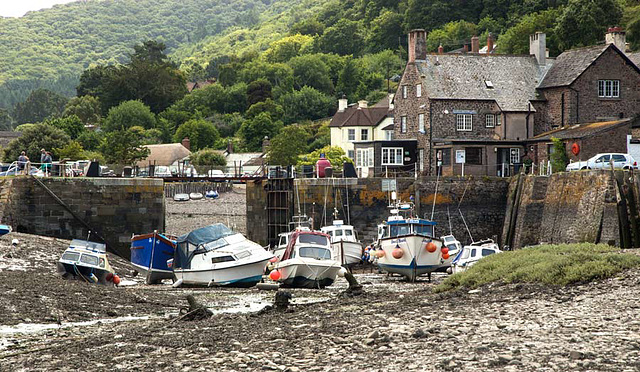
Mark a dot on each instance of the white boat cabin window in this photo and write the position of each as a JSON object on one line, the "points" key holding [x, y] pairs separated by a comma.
{"points": [[222, 259], [71, 256], [90, 259], [242, 255], [315, 252], [313, 239], [283, 240], [487, 252], [466, 254], [338, 233], [348, 232], [406, 229], [215, 244]]}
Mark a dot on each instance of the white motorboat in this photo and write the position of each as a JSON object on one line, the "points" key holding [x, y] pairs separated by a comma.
{"points": [[217, 256], [195, 196], [344, 243], [307, 262], [299, 223], [181, 197], [471, 254], [407, 244], [454, 246], [87, 261]]}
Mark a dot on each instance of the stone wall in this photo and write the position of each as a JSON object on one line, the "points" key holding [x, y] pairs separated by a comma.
{"points": [[116, 208], [563, 208]]}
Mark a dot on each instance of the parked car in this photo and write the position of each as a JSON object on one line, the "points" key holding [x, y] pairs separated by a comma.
{"points": [[216, 173], [603, 161]]}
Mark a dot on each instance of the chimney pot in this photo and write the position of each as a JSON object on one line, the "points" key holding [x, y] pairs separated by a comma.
{"points": [[342, 104], [538, 47], [617, 36], [362, 104], [417, 45], [466, 48], [475, 44], [186, 143], [490, 43]]}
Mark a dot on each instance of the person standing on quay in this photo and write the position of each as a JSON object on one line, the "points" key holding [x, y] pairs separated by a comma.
{"points": [[23, 163]]}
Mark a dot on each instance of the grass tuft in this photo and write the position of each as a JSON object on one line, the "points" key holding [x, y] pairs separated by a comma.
{"points": [[546, 264]]}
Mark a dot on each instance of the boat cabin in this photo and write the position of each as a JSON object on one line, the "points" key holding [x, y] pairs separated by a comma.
{"points": [[308, 244], [340, 232], [86, 253], [401, 227]]}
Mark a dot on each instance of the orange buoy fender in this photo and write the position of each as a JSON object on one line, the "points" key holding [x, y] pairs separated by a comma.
{"points": [[397, 253], [575, 148], [431, 247]]}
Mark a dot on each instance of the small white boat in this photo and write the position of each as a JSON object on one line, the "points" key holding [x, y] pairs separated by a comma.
{"points": [[473, 253], [407, 244], [87, 261], [211, 194], [299, 223], [181, 197], [196, 196], [217, 256], [344, 243], [453, 245], [307, 262]]}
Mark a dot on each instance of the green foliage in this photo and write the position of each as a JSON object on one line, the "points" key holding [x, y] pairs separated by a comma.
{"points": [[343, 38], [321, 135], [307, 103], [34, 138], [90, 140], [87, 108], [310, 27], [254, 130], [72, 151], [559, 158], [288, 47], [201, 134], [227, 124], [516, 39], [555, 265], [310, 71], [23, 127], [386, 31], [334, 154], [123, 147], [269, 106], [129, 114], [71, 125], [584, 22], [288, 145], [208, 157], [6, 121], [451, 36], [40, 105], [258, 91]]}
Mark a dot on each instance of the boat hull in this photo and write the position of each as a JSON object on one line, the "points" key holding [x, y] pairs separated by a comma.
{"points": [[415, 260], [242, 275], [307, 273], [347, 253], [80, 272], [156, 247]]}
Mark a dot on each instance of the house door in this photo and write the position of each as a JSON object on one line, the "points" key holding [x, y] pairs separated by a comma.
{"points": [[503, 163]]}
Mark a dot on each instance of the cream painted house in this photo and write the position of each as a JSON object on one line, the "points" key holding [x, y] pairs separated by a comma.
{"points": [[358, 122]]}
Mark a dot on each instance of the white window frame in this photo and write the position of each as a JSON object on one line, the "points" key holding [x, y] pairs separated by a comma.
{"points": [[403, 124], [419, 90], [421, 160], [397, 152], [364, 157], [405, 89], [490, 121], [498, 120], [421, 123], [351, 135], [464, 122], [609, 88], [514, 154], [364, 134], [351, 154], [388, 135]]}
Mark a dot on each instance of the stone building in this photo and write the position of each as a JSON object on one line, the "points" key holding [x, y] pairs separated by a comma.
{"points": [[476, 113]]}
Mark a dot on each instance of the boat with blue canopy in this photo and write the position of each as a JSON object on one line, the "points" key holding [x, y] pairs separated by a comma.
{"points": [[149, 254]]}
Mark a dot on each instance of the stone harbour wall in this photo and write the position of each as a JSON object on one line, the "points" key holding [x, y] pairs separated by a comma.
{"points": [[116, 208]]}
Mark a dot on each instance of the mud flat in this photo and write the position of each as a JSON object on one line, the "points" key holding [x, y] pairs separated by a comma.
{"points": [[229, 208], [48, 323]]}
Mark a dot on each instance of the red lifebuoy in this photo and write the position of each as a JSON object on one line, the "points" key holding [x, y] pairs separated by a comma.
{"points": [[575, 148]]}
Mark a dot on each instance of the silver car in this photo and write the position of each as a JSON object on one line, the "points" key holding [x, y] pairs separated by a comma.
{"points": [[603, 161]]}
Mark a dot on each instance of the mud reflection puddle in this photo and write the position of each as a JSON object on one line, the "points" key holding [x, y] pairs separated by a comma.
{"points": [[29, 328]]}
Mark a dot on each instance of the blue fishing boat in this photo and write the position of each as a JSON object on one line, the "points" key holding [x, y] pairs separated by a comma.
{"points": [[5, 229], [149, 254]]}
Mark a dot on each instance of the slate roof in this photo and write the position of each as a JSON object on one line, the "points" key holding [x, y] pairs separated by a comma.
{"points": [[581, 130], [464, 76], [355, 116], [570, 65], [635, 58], [166, 154]]}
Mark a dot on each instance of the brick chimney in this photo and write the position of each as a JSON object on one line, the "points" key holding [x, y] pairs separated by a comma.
{"points": [[265, 144], [465, 48], [186, 143], [475, 44], [342, 104], [417, 45], [490, 43], [440, 49], [617, 36], [538, 47], [363, 104]]}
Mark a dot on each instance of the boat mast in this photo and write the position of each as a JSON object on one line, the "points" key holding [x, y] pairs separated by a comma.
{"points": [[348, 214], [153, 248], [435, 195]]}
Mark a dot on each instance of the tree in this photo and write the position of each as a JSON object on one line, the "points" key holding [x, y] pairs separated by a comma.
{"points": [[452, 35], [201, 134], [516, 39], [288, 47], [559, 158], [208, 157], [288, 145], [213, 67], [129, 114], [254, 130], [258, 91], [269, 106], [584, 22], [348, 80], [87, 108], [307, 103], [123, 147], [71, 125], [309, 26], [310, 71], [6, 121], [343, 38], [386, 31], [334, 154], [72, 151], [90, 140], [34, 138], [40, 104]]}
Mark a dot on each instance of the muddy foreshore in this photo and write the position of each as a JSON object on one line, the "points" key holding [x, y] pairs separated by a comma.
{"points": [[48, 323]]}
